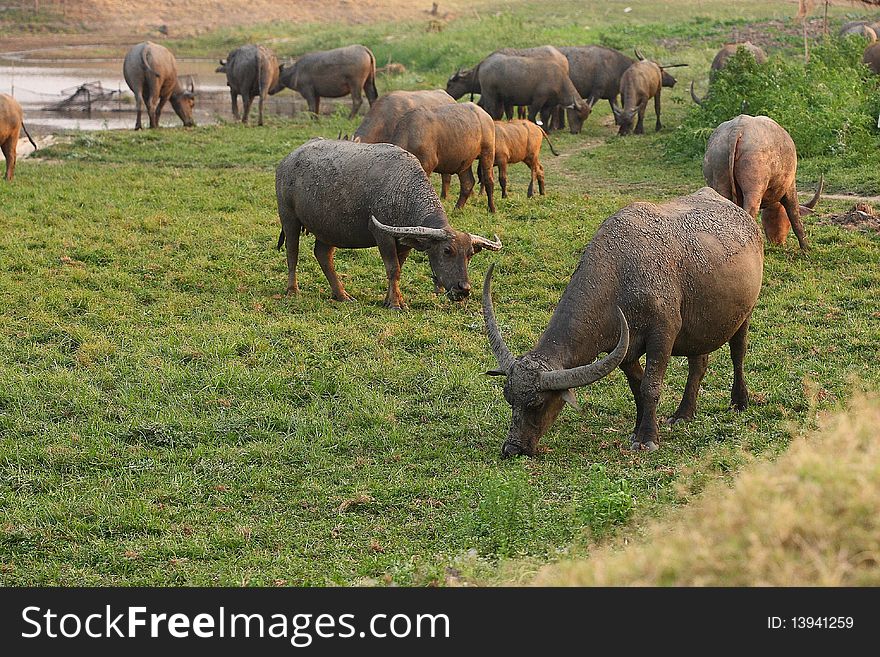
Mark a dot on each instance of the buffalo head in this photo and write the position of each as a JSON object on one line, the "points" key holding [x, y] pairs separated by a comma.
{"points": [[449, 251], [536, 389], [577, 113], [184, 101], [460, 83]]}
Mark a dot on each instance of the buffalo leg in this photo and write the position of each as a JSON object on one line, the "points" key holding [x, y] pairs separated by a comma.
{"points": [[159, 109], [234, 95], [356, 101], [487, 160], [656, 361], [324, 255], [393, 259], [502, 178], [696, 371], [246, 100], [640, 126], [539, 171], [290, 228], [260, 107], [790, 203], [657, 112], [634, 376], [739, 393], [466, 186], [9, 148], [139, 102], [445, 179]]}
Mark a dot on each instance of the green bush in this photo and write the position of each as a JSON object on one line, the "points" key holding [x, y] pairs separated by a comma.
{"points": [[829, 106]]}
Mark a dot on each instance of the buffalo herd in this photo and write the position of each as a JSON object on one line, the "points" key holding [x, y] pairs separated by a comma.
{"points": [[676, 279]]}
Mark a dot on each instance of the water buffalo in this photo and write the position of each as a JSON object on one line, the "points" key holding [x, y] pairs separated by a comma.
{"points": [[542, 84], [356, 196], [639, 83], [468, 81], [447, 139], [752, 161], [872, 57], [678, 279], [251, 72], [11, 125], [860, 28], [519, 141], [724, 55], [150, 71], [332, 74], [596, 72]]}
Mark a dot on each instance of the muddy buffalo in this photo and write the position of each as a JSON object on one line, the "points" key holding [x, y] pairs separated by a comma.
{"points": [[385, 114], [332, 74], [752, 161], [355, 196], [684, 285], [595, 72], [860, 28], [724, 55], [251, 72], [447, 139], [150, 71], [11, 126]]}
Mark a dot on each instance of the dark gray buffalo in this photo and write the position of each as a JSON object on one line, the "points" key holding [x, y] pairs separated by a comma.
{"points": [[355, 196], [678, 279], [251, 72], [642, 81], [150, 71], [541, 84], [723, 56], [596, 72], [332, 74], [752, 161]]}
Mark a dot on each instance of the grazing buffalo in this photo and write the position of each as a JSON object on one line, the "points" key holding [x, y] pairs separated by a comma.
{"points": [[678, 279], [251, 72], [595, 72], [385, 114], [332, 74], [150, 71], [724, 56], [872, 57], [541, 84], [11, 125], [519, 141], [447, 139], [752, 161], [355, 196]]}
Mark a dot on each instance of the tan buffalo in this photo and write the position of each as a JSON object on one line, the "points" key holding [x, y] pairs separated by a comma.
{"points": [[11, 125], [150, 71], [519, 141]]}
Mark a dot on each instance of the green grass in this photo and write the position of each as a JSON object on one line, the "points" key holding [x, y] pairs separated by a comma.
{"points": [[167, 417]]}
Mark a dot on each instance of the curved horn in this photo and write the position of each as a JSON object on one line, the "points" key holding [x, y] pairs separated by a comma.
{"points": [[639, 55], [812, 203], [480, 242], [410, 231], [587, 374], [673, 65], [192, 85], [502, 353], [697, 99]]}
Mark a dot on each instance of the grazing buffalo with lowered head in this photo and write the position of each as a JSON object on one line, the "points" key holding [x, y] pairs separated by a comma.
{"points": [[639, 83], [860, 28], [519, 141], [595, 72], [446, 139], [724, 56], [752, 161], [332, 74], [11, 125], [355, 196], [872, 57], [150, 71], [684, 284], [541, 84], [251, 72]]}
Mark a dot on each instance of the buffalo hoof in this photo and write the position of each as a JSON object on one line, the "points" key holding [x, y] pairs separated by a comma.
{"points": [[675, 420], [344, 298], [649, 446], [509, 449]]}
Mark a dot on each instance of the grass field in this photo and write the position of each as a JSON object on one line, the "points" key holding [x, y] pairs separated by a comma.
{"points": [[168, 417]]}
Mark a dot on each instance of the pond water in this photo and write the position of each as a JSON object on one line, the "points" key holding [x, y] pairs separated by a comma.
{"points": [[37, 83]]}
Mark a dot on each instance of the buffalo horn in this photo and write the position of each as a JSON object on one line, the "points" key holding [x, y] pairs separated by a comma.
{"points": [[483, 243], [812, 202], [673, 65], [640, 55], [410, 231], [502, 353], [587, 374]]}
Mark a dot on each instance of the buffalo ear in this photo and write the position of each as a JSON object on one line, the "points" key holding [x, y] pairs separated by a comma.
{"points": [[569, 397], [496, 373]]}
